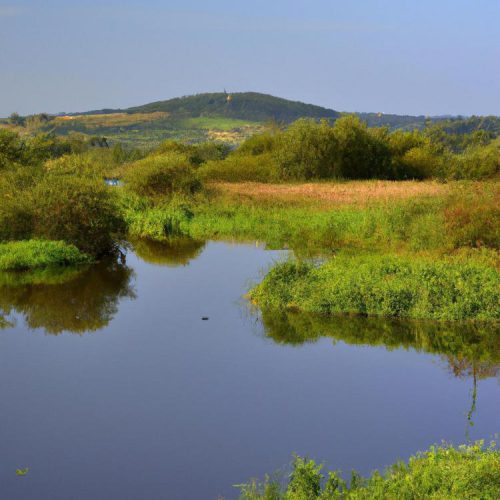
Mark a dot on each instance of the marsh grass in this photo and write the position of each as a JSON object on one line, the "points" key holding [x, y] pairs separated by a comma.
{"points": [[388, 286], [30, 254]]}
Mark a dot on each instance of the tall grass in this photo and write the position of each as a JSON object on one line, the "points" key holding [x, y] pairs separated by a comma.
{"points": [[20, 255], [385, 286], [467, 471]]}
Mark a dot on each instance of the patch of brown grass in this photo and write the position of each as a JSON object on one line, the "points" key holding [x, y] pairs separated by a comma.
{"points": [[332, 193], [113, 119]]}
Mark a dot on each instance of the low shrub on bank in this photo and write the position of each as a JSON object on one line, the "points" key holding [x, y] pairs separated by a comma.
{"points": [[162, 176], [31, 254], [80, 211], [467, 471], [385, 286]]}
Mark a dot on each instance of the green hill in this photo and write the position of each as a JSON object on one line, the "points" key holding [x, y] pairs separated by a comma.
{"points": [[250, 106]]}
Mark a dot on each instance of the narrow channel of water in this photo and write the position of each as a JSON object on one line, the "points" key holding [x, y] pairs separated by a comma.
{"points": [[112, 385]]}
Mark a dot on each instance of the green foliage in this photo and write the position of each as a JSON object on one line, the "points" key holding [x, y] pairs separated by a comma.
{"points": [[467, 471], [385, 286], [306, 150], [359, 154], [11, 149], [239, 168], [159, 223], [18, 255], [162, 175], [258, 144], [80, 211]]}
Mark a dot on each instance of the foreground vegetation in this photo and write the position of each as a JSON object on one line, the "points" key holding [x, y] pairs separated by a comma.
{"points": [[471, 471]]}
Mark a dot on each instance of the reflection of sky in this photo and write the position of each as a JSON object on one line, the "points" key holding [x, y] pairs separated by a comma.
{"points": [[396, 56], [160, 404]]}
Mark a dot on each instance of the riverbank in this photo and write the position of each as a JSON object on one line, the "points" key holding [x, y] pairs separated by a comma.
{"points": [[467, 471]]}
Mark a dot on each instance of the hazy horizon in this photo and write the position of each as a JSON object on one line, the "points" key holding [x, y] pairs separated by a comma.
{"points": [[388, 56]]}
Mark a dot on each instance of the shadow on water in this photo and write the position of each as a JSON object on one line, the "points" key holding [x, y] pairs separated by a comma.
{"points": [[76, 300], [171, 253]]}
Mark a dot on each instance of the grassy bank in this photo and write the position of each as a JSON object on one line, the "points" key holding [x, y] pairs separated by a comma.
{"points": [[31, 254], [384, 286], [374, 216], [441, 472]]}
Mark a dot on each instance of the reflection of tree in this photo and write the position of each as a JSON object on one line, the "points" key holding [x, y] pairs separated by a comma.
{"points": [[172, 252], [477, 370], [87, 301], [468, 347]]}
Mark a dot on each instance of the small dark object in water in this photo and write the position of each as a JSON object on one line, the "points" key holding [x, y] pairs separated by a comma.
{"points": [[204, 318]]}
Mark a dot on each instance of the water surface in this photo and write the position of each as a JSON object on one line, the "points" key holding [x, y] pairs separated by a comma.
{"points": [[113, 387]]}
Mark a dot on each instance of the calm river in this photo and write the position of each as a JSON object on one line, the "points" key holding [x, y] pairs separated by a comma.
{"points": [[113, 387]]}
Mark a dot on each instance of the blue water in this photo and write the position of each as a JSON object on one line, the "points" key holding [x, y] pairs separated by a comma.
{"points": [[155, 403]]}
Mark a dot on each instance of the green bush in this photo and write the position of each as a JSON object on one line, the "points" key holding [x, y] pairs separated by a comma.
{"points": [[162, 176], [359, 152], [18, 255], [477, 162], [307, 150], [258, 144], [80, 211], [239, 168]]}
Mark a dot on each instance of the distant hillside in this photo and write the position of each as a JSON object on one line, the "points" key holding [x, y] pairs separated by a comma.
{"points": [[249, 106], [223, 117]]}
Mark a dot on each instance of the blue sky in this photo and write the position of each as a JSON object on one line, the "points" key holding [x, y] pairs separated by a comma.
{"points": [[401, 56]]}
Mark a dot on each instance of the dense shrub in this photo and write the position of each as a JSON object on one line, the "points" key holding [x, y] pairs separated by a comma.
{"points": [[16, 208], [239, 168], [79, 211], [307, 150], [359, 154], [162, 175], [12, 149], [423, 162], [477, 162], [258, 144]]}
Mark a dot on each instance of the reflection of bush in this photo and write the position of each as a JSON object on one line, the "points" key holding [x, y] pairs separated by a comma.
{"points": [[86, 301], [463, 344], [172, 252]]}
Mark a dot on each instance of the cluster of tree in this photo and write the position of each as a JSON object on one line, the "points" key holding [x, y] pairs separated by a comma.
{"points": [[34, 150], [349, 149]]}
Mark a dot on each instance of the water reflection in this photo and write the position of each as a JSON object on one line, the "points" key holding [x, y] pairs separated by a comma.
{"points": [[171, 253], [74, 300], [468, 349]]}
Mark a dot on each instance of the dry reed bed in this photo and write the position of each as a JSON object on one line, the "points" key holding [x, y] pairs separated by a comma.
{"points": [[334, 193]]}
